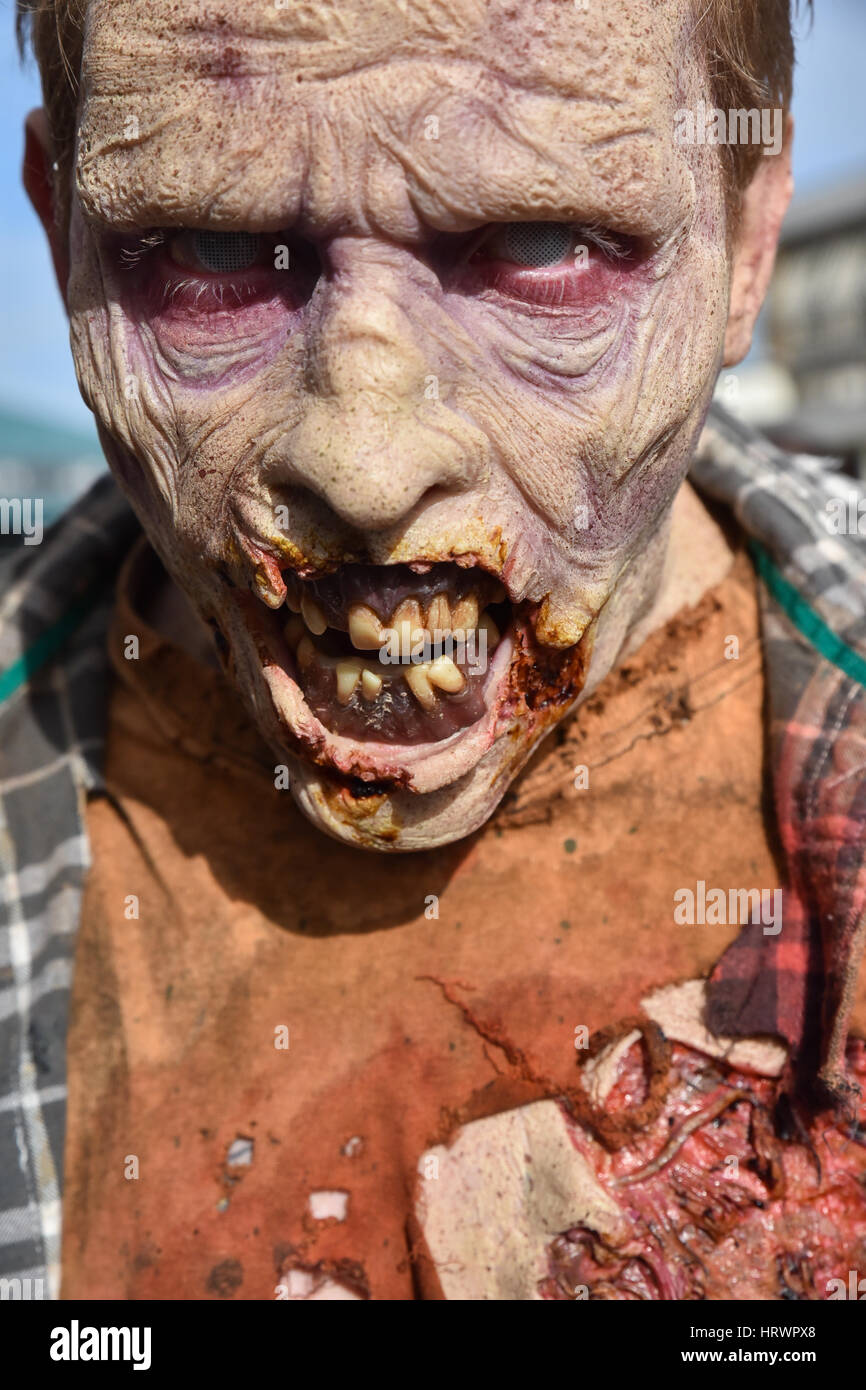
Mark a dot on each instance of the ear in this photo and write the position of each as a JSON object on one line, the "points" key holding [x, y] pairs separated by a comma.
{"points": [[38, 176], [765, 202]]}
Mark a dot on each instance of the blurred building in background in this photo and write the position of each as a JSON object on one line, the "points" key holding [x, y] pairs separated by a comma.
{"points": [[807, 386]]}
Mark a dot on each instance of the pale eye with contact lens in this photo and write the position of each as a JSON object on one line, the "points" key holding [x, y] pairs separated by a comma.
{"points": [[225, 253], [536, 244]]}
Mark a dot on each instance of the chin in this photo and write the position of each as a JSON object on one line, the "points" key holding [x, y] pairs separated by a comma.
{"points": [[404, 699]]}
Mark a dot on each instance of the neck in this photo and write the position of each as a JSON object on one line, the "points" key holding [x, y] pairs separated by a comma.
{"points": [[698, 557]]}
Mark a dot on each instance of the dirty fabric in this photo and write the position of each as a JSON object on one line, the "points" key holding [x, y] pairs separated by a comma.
{"points": [[814, 631], [56, 601], [415, 991], [52, 683]]}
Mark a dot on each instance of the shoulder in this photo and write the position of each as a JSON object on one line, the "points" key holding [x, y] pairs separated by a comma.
{"points": [[803, 516], [52, 594]]}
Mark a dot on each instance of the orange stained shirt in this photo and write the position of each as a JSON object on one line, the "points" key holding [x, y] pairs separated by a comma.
{"points": [[269, 1029]]}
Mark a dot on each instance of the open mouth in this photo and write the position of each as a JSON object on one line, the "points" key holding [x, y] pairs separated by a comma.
{"points": [[403, 676], [387, 655]]}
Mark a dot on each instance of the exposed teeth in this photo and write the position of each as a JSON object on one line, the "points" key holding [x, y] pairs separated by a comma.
{"points": [[313, 616], [439, 614], [408, 623], [407, 619], [465, 613], [293, 631], [306, 652], [348, 675], [371, 684], [368, 633], [487, 625], [365, 630], [418, 680], [291, 602], [445, 674]]}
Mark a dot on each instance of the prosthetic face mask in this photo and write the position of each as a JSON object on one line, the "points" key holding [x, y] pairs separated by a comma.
{"points": [[400, 323]]}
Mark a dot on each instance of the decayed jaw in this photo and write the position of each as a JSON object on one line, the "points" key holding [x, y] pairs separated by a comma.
{"points": [[383, 655], [395, 680], [398, 694], [389, 329]]}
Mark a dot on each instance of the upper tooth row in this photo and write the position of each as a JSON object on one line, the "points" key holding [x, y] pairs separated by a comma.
{"points": [[367, 633], [313, 616]]}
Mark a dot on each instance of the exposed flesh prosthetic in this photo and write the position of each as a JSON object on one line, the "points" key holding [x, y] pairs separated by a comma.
{"points": [[421, 409], [698, 1201]]}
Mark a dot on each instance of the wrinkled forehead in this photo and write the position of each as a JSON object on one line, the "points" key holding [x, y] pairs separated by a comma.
{"points": [[392, 115]]}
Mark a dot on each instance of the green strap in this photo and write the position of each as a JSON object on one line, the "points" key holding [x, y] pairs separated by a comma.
{"points": [[45, 646], [806, 620]]}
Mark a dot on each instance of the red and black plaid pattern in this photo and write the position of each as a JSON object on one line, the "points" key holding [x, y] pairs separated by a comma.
{"points": [[800, 984]]}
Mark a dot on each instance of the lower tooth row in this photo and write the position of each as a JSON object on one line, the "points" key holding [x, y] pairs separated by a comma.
{"points": [[423, 679], [441, 673]]}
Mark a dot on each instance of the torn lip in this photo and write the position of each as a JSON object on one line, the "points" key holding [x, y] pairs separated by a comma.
{"points": [[272, 578], [421, 767]]}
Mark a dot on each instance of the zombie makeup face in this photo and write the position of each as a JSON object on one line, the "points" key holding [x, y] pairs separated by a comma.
{"points": [[400, 323]]}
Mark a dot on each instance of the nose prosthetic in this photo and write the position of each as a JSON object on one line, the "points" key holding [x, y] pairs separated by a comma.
{"points": [[377, 432]]}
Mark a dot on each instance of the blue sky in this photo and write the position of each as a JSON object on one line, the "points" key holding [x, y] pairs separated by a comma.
{"points": [[36, 375]]}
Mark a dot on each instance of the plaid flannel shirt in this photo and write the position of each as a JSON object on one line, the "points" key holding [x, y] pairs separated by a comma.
{"points": [[54, 608]]}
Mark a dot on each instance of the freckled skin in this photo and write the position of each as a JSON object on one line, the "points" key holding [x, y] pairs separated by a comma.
{"points": [[557, 433]]}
